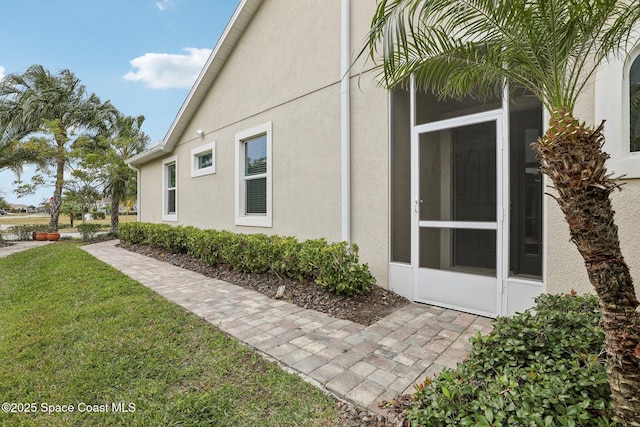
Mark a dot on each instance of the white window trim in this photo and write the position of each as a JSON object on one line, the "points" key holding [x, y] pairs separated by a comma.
{"points": [[165, 200], [199, 151], [612, 104], [241, 217]]}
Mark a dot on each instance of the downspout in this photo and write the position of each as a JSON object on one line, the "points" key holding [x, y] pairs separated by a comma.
{"points": [[345, 122]]}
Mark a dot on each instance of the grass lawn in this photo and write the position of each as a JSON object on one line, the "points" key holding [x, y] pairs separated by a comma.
{"points": [[74, 331]]}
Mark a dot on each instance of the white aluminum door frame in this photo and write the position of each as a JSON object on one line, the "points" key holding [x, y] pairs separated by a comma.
{"points": [[500, 225]]}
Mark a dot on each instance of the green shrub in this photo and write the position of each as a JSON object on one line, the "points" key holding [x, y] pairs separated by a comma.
{"points": [[542, 367], [25, 231], [88, 231], [134, 232], [334, 265], [204, 245], [285, 257]]}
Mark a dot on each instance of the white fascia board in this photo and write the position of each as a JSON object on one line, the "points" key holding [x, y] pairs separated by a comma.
{"points": [[232, 33], [147, 155]]}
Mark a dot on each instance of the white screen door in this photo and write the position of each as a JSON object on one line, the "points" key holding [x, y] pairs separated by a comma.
{"points": [[457, 188]]}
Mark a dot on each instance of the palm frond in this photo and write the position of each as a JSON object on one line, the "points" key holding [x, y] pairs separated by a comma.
{"points": [[473, 47]]}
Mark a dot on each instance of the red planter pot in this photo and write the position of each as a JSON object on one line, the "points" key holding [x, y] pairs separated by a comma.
{"points": [[41, 236], [53, 236]]}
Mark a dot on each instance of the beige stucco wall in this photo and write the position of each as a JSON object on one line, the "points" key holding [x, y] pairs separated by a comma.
{"points": [[150, 197], [292, 80], [564, 266], [370, 175]]}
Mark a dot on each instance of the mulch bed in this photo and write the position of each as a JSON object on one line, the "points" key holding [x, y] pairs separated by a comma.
{"points": [[364, 309]]}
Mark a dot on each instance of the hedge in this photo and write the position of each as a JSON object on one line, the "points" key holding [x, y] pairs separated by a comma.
{"points": [[25, 231], [335, 266], [544, 367]]}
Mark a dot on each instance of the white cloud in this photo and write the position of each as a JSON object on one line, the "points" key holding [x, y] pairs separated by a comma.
{"points": [[164, 4], [1, 72], [165, 70]]}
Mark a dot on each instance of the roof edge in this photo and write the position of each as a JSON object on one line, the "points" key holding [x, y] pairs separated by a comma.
{"points": [[236, 26], [147, 155]]}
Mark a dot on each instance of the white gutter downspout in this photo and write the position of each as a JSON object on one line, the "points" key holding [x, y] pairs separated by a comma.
{"points": [[345, 120]]}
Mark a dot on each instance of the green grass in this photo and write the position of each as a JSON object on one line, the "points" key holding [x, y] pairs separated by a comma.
{"points": [[74, 330]]}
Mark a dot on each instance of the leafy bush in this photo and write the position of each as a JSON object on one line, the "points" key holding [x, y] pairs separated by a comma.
{"points": [[25, 231], [542, 367], [88, 231], [335, 266]]}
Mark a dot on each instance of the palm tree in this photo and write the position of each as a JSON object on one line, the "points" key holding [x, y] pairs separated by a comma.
{"points": [[551, 48], [121, 140], [37, 102], [12, 155], [126, 139]]}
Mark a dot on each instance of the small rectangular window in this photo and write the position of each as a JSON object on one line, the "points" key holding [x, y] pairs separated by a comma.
{"points": [[203, 160]]}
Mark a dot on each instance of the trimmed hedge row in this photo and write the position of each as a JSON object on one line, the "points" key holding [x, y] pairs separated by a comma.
{"points": [[333, 265], [25, 231]]}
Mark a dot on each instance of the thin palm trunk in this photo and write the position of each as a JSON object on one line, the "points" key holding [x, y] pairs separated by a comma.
{"points": [[572, 157], [115, 211], [57, 192]]}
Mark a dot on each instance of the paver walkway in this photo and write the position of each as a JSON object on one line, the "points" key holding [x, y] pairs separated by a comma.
{"points": [[20, 246], [360, 364]]}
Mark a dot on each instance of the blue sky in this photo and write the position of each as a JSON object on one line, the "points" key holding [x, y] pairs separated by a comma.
{"points": [[142, 55]]}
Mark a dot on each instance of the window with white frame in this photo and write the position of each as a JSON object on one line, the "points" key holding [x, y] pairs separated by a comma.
{"points": [[617, 102], [634, 106], [170, 189], [203, 160], [253, 177]]}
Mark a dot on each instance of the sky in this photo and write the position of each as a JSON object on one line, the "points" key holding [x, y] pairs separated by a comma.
{"points": [[142, 55]]}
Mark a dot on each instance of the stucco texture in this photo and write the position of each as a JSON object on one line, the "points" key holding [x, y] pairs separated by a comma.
{"points": [[290, 79]]}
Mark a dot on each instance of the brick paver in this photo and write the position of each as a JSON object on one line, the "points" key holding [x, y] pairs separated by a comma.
{"points": [[360, 364]]}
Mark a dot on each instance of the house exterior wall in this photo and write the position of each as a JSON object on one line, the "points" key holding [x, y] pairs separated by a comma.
{"points": [[565, 270], [292, 80], [370, 174], [150, 197]]}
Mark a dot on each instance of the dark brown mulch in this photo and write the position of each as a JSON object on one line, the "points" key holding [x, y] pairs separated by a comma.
{"points": [[365, 309]]}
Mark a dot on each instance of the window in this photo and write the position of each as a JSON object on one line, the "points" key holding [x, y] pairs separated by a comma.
{"points": [[634, 106], [170, 192], [203, 160], [253, 177], [617, 101]]}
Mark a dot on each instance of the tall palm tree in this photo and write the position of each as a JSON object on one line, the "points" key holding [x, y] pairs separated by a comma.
{"points": [[13, 156], [551, 48], [126, 139], [37, 102], [105, 156]]}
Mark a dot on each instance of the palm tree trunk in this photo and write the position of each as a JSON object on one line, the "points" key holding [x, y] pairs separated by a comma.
{"points": [[572, 156], [115, 211], [57, 194]]}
